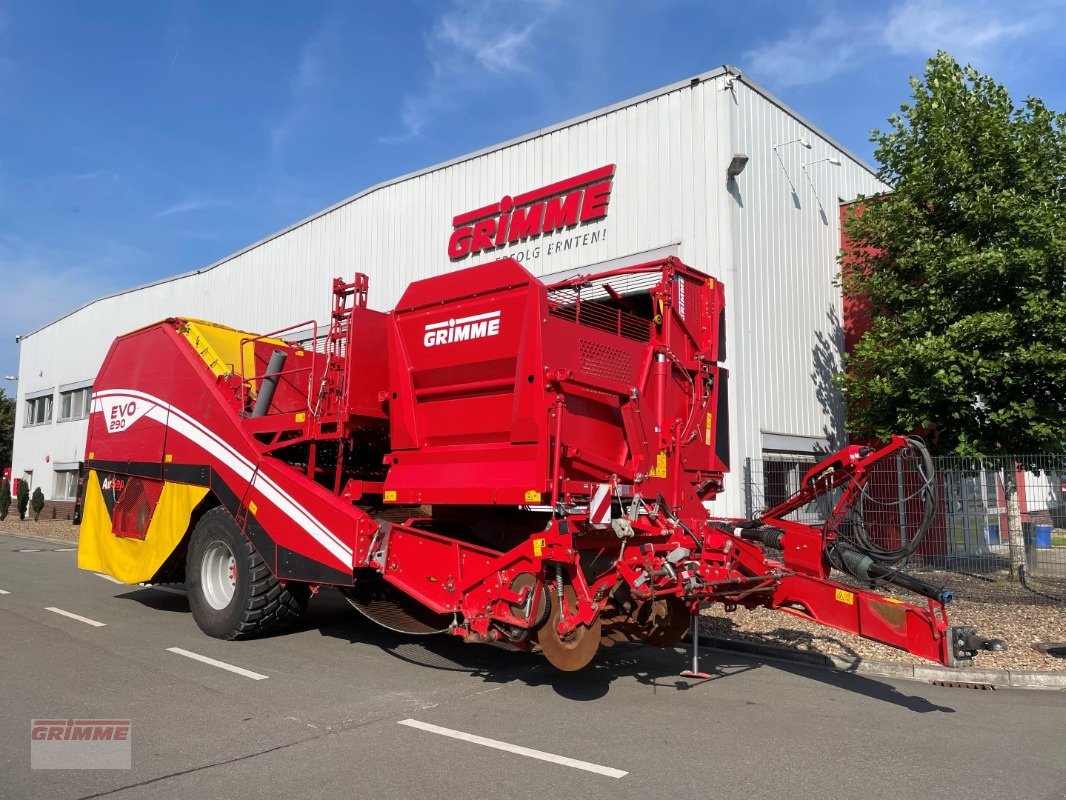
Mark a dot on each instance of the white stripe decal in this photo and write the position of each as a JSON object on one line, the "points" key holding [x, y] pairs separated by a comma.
{"points": [[208, 441], [255, 676], [78, 617], [167, 589], [566, 761]]}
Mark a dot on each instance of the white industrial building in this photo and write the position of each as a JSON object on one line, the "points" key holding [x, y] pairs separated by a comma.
{"points": [[713, 169]]}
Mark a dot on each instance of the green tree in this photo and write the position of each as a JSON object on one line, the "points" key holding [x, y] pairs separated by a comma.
{"points": [[22, 498], [7, 428], [37, 503], [5, 499], [963, 266]]}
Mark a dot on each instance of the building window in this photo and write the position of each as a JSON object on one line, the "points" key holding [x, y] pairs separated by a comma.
{"points": [[783, 476], [39, 410], [74, 404], [66, 485]]}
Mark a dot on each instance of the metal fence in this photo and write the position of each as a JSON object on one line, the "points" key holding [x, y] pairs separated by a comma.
{"points": [[968, 543]]}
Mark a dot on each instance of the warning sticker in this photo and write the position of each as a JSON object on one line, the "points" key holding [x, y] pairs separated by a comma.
{"points": [[660, 467], [845, 597]]}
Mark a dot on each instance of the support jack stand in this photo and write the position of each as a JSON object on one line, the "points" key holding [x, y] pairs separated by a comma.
{"points": [[695, 671]]}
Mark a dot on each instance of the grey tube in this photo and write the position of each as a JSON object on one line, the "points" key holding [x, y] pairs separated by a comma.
{"points": [[270, 383]]}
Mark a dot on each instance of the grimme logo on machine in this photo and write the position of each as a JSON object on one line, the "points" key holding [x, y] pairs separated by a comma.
{"points": [[478, 326], [582, 198]]}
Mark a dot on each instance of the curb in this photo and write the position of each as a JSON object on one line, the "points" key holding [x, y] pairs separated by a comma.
{"points": [[35, 538], [1016, 679]]}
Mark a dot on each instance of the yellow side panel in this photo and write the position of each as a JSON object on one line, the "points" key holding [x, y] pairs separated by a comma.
{"points": [[220, 347], [134, 560]]}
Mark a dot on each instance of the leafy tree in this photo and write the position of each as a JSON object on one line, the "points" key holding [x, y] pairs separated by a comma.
{"points": [[37, 503], [5, 499], [7, 428], [963, 267], [22, 498]]}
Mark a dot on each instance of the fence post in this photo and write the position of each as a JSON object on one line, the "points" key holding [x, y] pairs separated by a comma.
{"points": [[748, 511], [1015, 539]]}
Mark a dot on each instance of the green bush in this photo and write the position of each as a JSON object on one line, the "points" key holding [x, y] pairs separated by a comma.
{"points": [[22, 498], [5, 499], [37, 503]]}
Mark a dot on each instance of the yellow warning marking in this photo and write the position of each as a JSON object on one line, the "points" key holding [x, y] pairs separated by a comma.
{"points": [[538, 547], [92, 455], [168, 458], [299, 353], [253, 507], [532, 496], [710, 283], [845, 597], [660, 466], [390, 497], [301, 416], [707, 431]]}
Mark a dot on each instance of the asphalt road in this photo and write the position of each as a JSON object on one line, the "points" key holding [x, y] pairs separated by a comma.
{"points": [[333, 716]]}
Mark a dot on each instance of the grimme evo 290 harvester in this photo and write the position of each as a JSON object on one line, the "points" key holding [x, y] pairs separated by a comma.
{"points": [[496, 458]]}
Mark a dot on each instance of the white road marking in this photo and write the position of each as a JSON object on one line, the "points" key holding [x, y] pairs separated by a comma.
{"points": [[610, 772], [78, 617], [65, 550], [106, 577], [4, 591], [168, 589], [28, 550], [255, 676]]}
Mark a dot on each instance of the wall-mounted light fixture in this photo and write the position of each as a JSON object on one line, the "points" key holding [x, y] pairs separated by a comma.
{"points": [[736, 166], [832, 160], [777, 152]]}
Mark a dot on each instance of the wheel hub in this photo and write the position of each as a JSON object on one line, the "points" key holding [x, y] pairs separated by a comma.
{"points": [[218, 575], [574, 650]]}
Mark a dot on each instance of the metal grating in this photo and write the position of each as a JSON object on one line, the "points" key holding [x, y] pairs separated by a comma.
{"points": [[134, 509], [591, 304], [604, 361]]}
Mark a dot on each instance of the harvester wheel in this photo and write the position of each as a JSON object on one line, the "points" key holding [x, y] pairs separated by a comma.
{"points": [[667, 623], [575, 650], [231, 592]]}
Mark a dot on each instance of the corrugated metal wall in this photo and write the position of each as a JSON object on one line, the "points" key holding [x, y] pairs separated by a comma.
{"points": [[671, 150], [784, 310]]}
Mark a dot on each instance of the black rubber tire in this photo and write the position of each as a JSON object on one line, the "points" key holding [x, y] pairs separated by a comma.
{"points": [[259, 603]]}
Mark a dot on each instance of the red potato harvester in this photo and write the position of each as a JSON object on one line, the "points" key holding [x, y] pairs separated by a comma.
{"points": [[496, 458]]}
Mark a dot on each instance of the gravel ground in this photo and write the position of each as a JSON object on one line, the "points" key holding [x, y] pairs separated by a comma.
{"points": [[998, 609], [48, 528]]}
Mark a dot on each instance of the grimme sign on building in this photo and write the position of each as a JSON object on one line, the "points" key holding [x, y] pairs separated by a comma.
{"points": [[523, 219]]}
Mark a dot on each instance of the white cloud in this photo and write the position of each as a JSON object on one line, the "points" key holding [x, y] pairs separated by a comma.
{"points": [[304, 85], [186, 206], [966, 30], [841, 40], [474, 38], [43, 282], [807, 55]]}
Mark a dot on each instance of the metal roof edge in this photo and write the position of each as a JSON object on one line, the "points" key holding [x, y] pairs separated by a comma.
{"points": [[755, 87]]}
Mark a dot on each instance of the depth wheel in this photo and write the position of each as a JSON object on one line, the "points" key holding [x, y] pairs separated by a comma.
{"points": [[668, 622], [231, 592], [575, 650]]}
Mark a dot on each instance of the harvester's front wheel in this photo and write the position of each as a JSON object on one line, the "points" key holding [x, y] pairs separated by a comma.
{"points": [[231, 592]]}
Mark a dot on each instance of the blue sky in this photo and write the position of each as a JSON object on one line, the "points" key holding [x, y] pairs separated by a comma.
{"points": [[143, 139]]}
